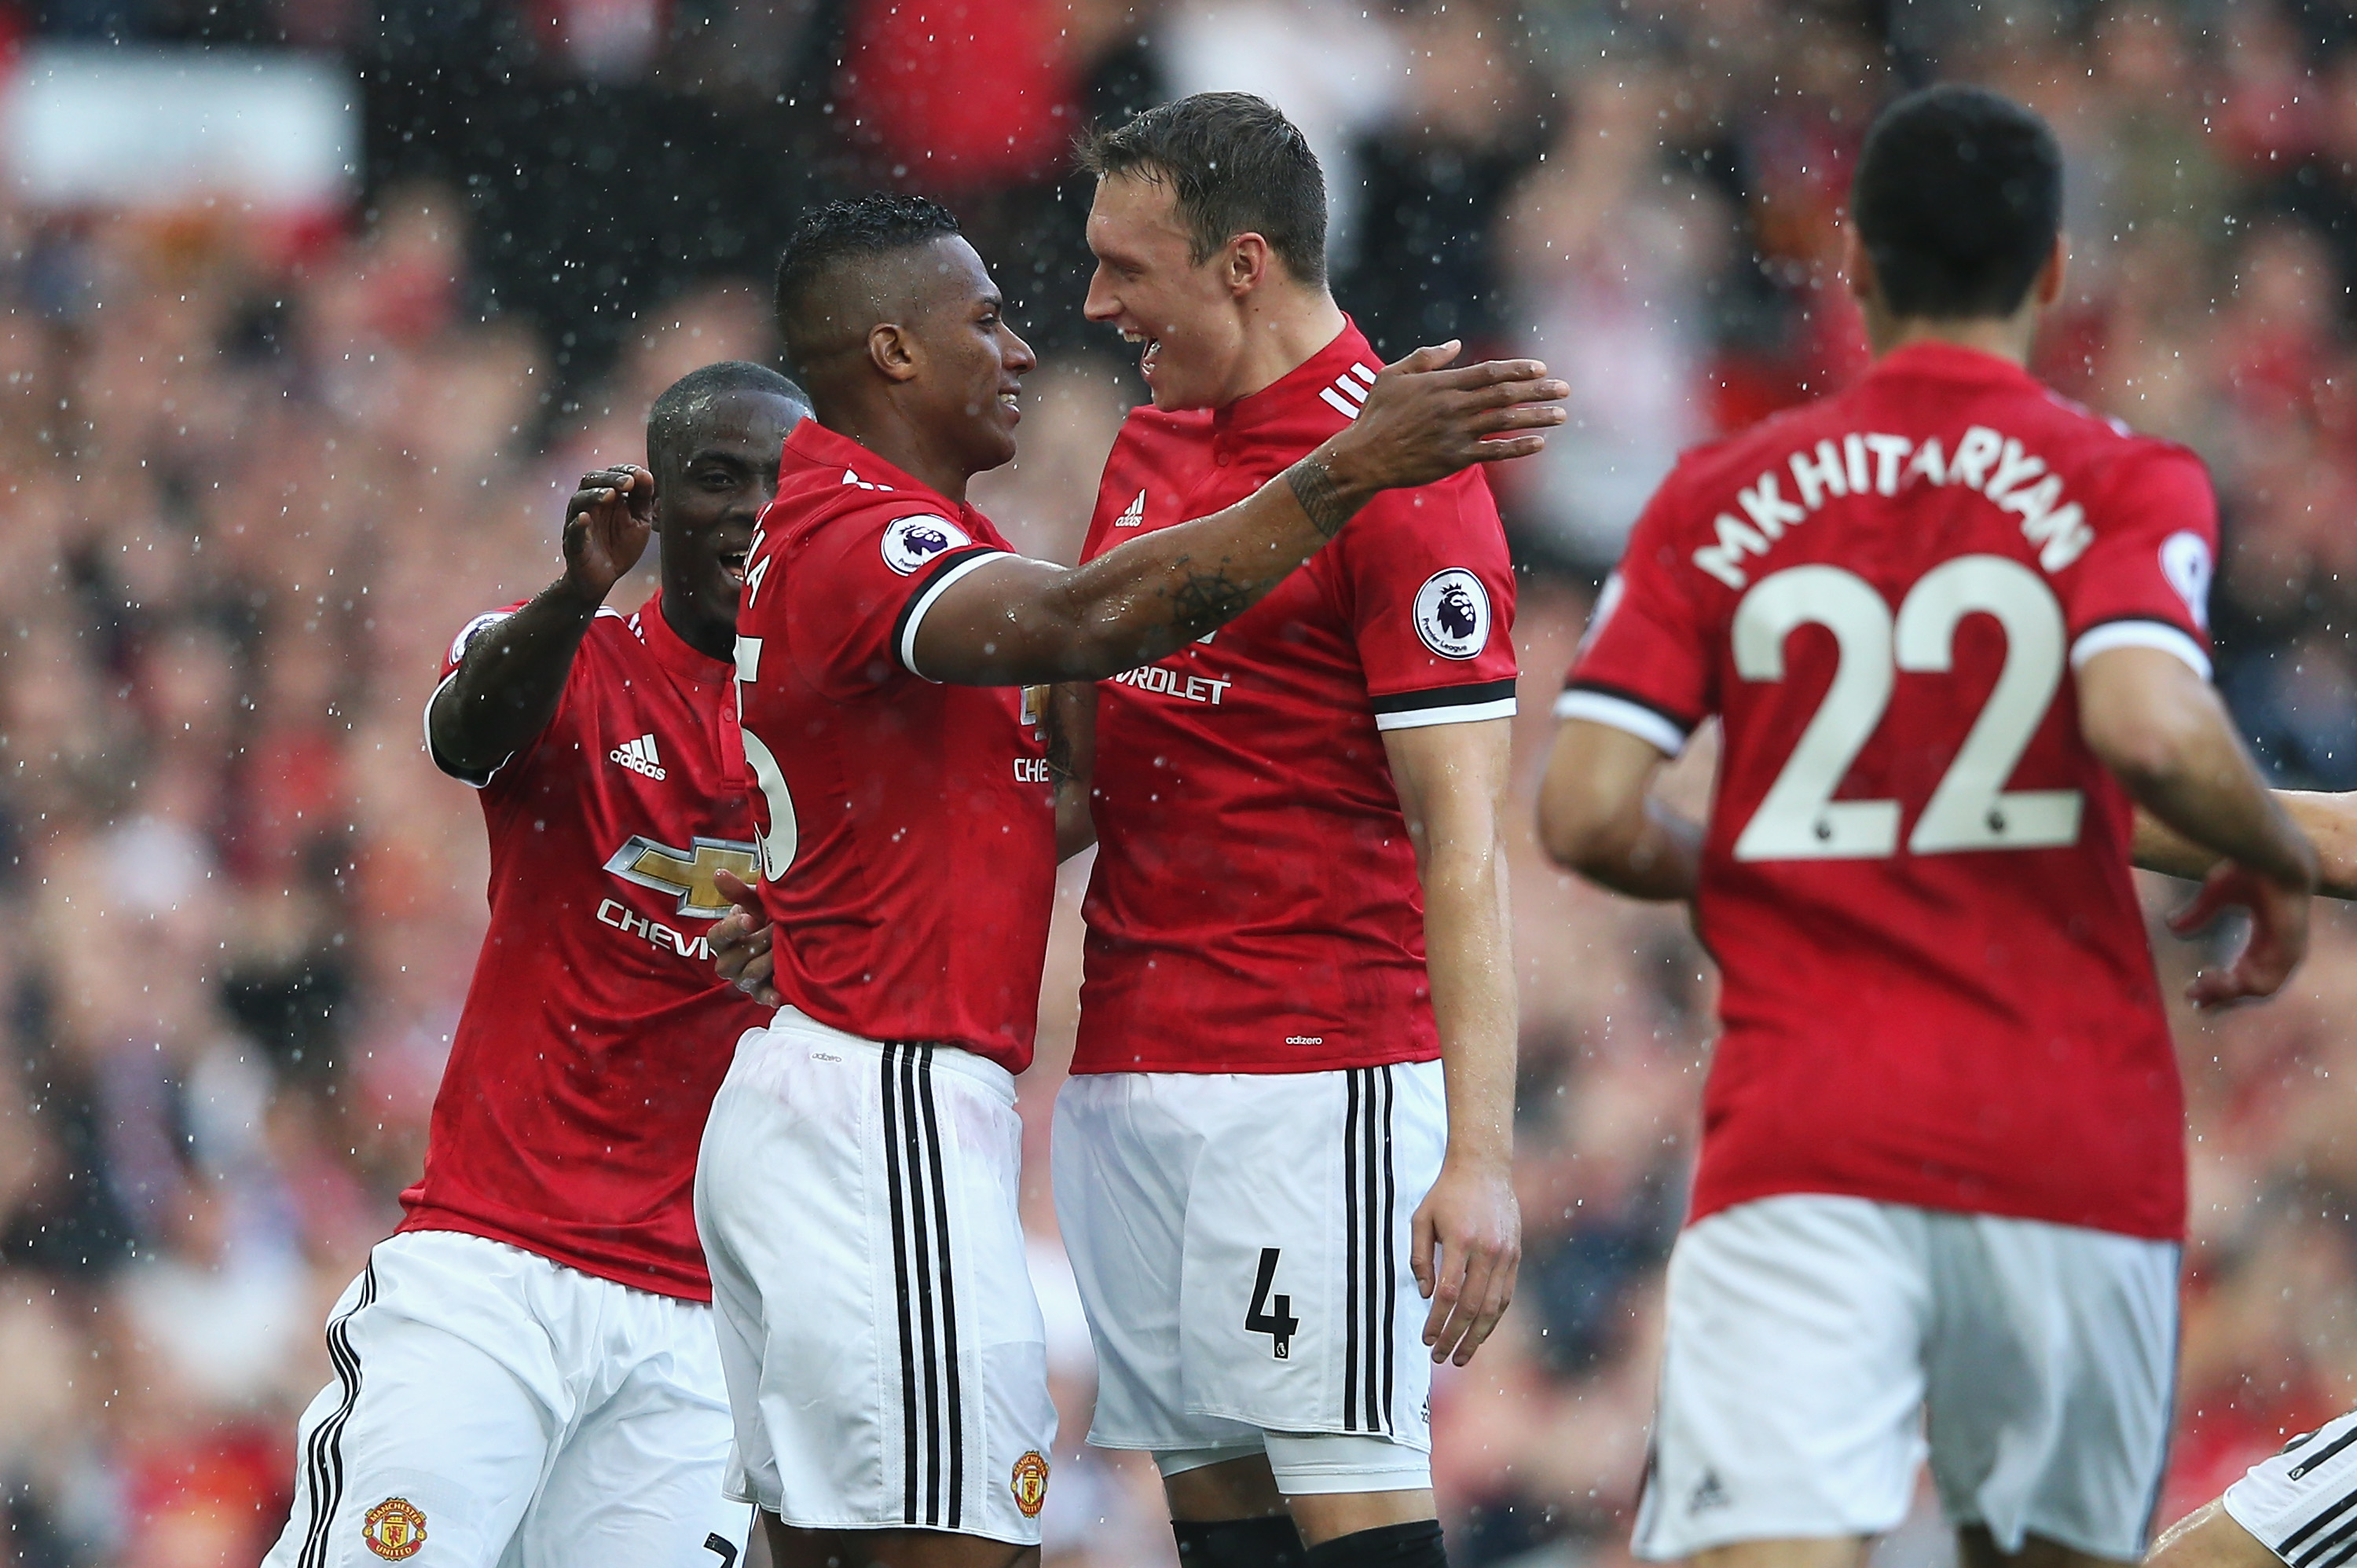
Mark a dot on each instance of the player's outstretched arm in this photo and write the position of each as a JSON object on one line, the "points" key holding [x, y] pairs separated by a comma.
{"points": [[2327, 821], [1597, 814], [2162, 731], [1469, 1230], [506, 688], [1015, 622]]}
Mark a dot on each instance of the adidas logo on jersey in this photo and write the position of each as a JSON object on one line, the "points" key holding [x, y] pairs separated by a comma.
{"points": [[851, 479], [1349, 390], [638, 756], [1133, 514]]}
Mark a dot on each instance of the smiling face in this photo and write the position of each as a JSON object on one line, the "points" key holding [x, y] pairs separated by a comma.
{"points": [[717, 475], [969, 364], [1185, 315]]}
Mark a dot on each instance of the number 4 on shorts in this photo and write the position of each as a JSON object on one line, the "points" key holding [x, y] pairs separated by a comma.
{"points": [[1278, 1325]]}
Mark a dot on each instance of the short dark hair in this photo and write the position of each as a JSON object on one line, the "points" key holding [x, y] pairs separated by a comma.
{"points": [[1957, 200], [859, 227], [667, 421], [1236, 164]]}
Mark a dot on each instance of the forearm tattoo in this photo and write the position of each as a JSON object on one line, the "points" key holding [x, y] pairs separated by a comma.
{"points": [[1318, 496], [1206, 598]]}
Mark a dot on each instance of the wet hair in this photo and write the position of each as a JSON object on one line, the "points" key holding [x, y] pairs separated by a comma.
{"points": [[1957, 200], [858, 231], [671, 421], [1236, 165]]}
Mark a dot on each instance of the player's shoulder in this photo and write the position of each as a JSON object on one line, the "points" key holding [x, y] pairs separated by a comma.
{"points": [[476, 625]]}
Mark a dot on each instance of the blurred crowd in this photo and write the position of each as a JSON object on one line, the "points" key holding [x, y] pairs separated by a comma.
{"points": [[254, 473]]}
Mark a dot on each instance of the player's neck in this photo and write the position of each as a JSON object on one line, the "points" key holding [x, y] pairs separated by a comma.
{"points": [[1285, 328], [2006, 338], [708, 635], [885, 429]]}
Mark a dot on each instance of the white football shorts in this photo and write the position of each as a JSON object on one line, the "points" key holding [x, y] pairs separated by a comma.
{"points": [[1814, 1342], [1242, 1241], [2302, 1503], [493, 1409], [886, 1360]]}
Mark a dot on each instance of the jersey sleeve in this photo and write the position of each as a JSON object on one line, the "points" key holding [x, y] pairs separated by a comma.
{"points": [[452, 658], [2144, 580], [1645, 665], [1432, 605], [861, 585]]}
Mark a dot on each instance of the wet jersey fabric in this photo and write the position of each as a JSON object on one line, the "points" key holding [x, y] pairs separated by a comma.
{"points": [[908, 828], [1937, 988], [595, 1031], [1254, 905]]}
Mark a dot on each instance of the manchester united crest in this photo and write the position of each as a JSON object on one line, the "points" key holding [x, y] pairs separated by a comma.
{"points": [[1031, 1483], [395, 1528]]}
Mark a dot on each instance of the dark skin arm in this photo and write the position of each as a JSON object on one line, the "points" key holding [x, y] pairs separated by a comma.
{"points": [[507, 686], [1019, 622]]}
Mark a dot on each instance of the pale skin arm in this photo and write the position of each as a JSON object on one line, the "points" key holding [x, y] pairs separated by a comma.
{"points": [[2327, 821], [1598, 816], [2164, 734], [1468, 1231]]}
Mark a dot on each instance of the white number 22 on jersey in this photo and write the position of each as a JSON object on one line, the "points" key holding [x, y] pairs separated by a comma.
{"points": [[1971, 807]]}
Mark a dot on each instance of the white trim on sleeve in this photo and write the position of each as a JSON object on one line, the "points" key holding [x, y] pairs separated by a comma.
{"points": [[1619, 712], [1465, 714], [2157, 634], [433, 756], [930, 596]]}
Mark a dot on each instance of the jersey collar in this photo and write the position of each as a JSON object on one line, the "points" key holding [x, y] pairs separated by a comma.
{"points": [[1950, 362], [670, 652], [813, 445], [1284, 397]]}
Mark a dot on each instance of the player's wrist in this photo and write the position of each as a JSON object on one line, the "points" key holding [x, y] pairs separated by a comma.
{"points": [[570, 594], [1350, 470]]}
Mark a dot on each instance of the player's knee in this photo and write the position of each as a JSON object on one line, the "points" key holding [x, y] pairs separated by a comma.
{"points": [[1270, 1542], [2209, 1536], [1412, 1545]]}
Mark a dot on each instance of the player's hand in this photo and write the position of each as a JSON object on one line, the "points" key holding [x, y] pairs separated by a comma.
{"points": [[1424, 420], [2279, 938], [740, 941], [605, 527], [1472, 1219]]}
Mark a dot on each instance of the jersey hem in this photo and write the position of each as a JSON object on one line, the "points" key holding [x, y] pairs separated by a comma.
{"points": [[1627, 714], [913, 614], [1203, 1067], [1708, 1201], [637, 1279], [2138, 632], [427, 725]]}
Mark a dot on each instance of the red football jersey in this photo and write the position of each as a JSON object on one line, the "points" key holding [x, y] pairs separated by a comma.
{"points": [[908, 829], [1255, 905], [1915, 881], [596, 1033]]}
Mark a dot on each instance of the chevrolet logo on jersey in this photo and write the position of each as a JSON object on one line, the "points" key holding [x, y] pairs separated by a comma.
{"points": [[688, 874]]}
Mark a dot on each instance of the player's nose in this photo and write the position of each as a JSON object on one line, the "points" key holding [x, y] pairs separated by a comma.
{"points": [[1015, 354], [1102, 305]]}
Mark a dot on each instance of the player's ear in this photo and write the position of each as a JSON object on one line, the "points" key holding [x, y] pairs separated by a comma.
{"points": [[2048, 286], [1245, 266], [1857, 267], [892, 349]]}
